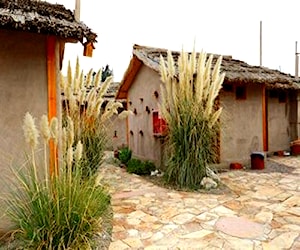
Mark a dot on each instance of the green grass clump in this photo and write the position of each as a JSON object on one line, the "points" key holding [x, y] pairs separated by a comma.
{"points": [[139, 167], [59, 209], [84, 103], [124, 155], [63, 214], [189, 108]]}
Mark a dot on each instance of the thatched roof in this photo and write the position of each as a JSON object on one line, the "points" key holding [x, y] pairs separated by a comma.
{"points": [[42, 17], [236, 71], [112, 90]]}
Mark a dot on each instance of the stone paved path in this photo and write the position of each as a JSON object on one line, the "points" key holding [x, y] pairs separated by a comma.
{"points": [[261, 212]]}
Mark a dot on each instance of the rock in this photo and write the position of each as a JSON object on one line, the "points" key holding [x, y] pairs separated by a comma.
{"points": [[293, 201], [196, 235], [134, 243], [157, 236], [264, 217], [240, 227], [183, 218], [222, 211], [283, 241], [118, 245], [208, 183], [212, 175]]}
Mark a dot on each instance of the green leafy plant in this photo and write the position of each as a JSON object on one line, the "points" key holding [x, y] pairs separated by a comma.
{"points": [[61, 212], [125, 155], [139, 167], [149, 166], [188, 105]]}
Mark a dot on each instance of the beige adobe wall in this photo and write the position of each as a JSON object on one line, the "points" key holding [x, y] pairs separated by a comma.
{"points": [[141, 95], [241, 123], [23, 87], [279, 124], [117, 133], [293, 114]]}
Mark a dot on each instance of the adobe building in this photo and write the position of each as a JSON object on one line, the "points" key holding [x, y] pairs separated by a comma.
{"points": [[260, 109], [33, 35]]}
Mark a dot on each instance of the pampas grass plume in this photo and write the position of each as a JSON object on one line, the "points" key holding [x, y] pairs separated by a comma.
{"points": [[54, 129], [70, 157], [30, 131], [78, 151], [44, 128]]}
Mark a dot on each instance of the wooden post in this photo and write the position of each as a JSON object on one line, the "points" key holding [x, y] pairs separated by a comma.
{"points": [[77, 10], [296, 61], [51, 76], [260, 44], [265, 119]]}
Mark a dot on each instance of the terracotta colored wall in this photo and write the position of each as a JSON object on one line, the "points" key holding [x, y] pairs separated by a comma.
{"points": [[141, 95], [23, 87], [241, 123]]}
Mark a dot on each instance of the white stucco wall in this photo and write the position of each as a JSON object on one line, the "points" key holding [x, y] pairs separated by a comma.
{"points": [[23, 87], [141, 95]]}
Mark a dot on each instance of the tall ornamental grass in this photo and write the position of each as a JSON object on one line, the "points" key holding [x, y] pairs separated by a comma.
{"points": [[188, 106], [85, 106], [61, 211]]}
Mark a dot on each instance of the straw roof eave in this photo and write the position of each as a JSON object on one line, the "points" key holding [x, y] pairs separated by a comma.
{"points": [[43, 18], [236, 71], [128, 78]]}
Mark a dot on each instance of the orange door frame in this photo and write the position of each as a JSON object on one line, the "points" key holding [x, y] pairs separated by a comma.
{"points": [[265, 119], [51, 76]]}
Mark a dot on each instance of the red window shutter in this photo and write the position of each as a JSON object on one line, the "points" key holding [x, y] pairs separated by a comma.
{"points": [[159, 124]]}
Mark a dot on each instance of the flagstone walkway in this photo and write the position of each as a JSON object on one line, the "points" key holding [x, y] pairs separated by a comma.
{"points": [[262, 211]]}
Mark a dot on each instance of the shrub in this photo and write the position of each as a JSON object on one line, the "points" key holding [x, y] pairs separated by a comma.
{"points": [[188, 106], [64, 212], [64, 215], [125, 155], [149, 166], [84, 104], [139, 167]]}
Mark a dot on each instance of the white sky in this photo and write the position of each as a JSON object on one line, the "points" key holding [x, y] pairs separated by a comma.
{"points": [[227, 27]]}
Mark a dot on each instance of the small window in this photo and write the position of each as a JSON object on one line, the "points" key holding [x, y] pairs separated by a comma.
{"points": [[227, 87], [273, 93], [282, 97], [240, 93]]}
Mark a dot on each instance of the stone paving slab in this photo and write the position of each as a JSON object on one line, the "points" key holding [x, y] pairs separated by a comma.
{"points": [[261, 212]]}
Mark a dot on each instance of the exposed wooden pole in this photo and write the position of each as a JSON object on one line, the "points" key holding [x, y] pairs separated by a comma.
{"points": [[260, 44], [51, 76], [296, 61], [265, 119], [77, 10]]}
